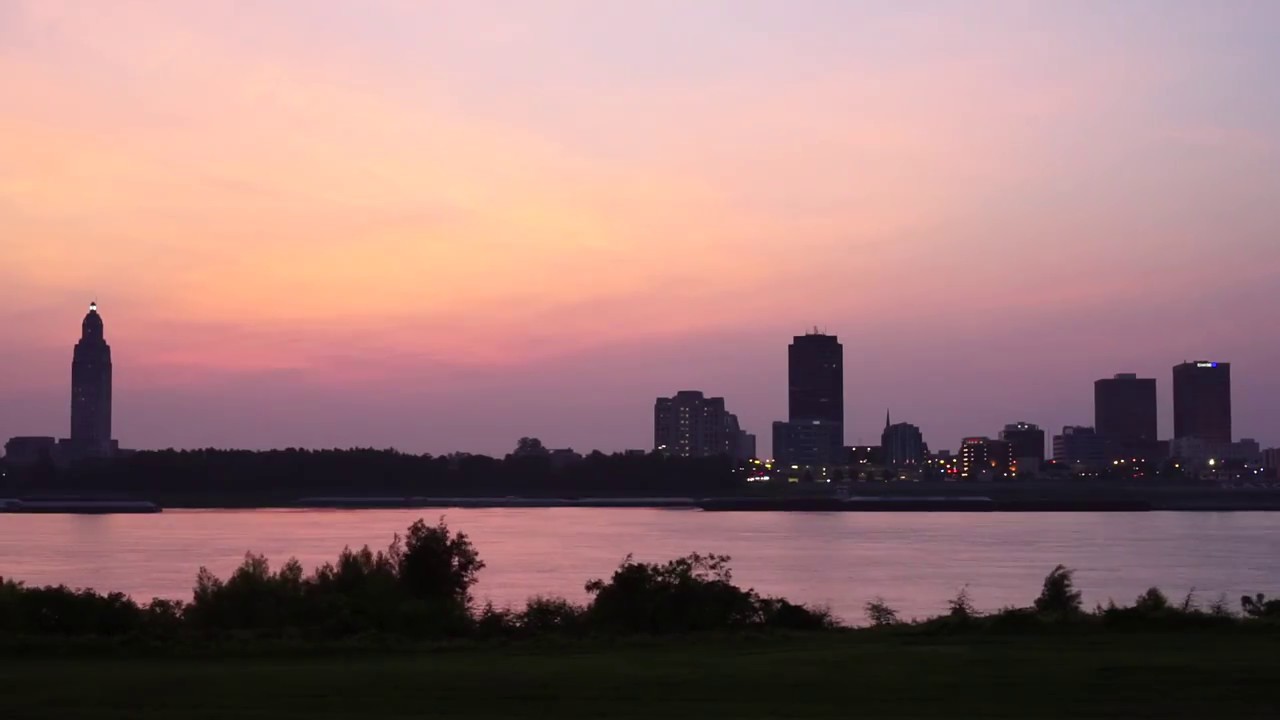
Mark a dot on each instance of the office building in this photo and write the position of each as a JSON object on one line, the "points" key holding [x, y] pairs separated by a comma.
{"points": [[1199, 451], [982, 458], [1202, 401], [1271, 462], [902, 444], [1026, 443], [742, 444], [689, 424], [91, 386], [814, 431], [1124, 414], [1080, 447]]}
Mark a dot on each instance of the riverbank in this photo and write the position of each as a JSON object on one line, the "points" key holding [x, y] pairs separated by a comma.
{"points": [[855, 674], [866, 497]]}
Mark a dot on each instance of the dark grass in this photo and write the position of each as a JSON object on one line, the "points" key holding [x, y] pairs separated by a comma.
{"points": [[862, 674]]}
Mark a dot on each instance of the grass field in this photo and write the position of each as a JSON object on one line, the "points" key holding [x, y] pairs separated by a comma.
{"points": [[836, 675]]}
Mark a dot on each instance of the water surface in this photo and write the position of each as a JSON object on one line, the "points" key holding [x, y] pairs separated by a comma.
{"points": [[916, 561]]}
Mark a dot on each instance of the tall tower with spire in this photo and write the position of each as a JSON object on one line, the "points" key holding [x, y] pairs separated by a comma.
{"points": [[91, 384]]}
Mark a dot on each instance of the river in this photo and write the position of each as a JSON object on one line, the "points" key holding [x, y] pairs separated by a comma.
{"points": [[915, 561]]}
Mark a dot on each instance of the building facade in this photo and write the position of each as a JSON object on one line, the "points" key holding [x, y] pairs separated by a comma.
{"points": [[1271, 462], [742, 444], [91, 384], [1026, 443], [814, 431], [982, 458], [1124, 414], [1080, 447], [689, 424], [1202, 401], [902, 444]]}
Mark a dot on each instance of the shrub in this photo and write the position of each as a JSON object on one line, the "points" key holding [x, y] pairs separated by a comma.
{"points": [[961, 606], [62, 611], [780, 614], [1259, 606], [1220, 608], [494, 622], [1152, 602], [551, 615], [1058, 596], [687, 594], [880, 614], [253, 598]]}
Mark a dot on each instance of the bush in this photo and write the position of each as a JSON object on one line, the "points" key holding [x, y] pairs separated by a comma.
{"points": [[420, 587], [551, 615], [1058, 596], [1152, 602], [687, 594], [1259, 606], [960, 608], [880, 614], [779, 614], [62, 611]]}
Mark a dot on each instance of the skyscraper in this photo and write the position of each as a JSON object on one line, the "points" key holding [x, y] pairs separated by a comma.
{"points": [[689, 424], [1202, 401], [91, 386], [814, 431], [1124, 409]]}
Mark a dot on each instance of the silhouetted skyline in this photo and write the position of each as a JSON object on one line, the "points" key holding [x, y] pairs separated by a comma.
{"points": [[445, 226]]}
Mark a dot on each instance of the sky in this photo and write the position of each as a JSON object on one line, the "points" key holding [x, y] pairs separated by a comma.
{"points": [[441, 226]]}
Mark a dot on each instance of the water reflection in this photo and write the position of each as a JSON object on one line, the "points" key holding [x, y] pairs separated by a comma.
{"points": [[916, 561]]}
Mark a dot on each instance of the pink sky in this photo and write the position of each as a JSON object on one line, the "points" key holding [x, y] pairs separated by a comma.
{"points": [[441, 226]]}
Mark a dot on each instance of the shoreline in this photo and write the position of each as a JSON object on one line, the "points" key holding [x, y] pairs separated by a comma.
{"points": [[1220, 501]]}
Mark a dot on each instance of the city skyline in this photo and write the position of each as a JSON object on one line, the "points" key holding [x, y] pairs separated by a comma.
{"points": [[691, 423], [443, 228]]}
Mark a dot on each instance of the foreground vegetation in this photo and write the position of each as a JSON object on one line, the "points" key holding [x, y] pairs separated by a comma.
{"points": [[419, 588], [395, 633]]}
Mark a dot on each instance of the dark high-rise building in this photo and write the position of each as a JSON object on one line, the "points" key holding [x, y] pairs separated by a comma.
{"points": [[1202, 401], [815, 379], [91, 385], [1079, 447], [1124, 409], [902, 444], [814, 431], [1026, 443], [692, 425]]}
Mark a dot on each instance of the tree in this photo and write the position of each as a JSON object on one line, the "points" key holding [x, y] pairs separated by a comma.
{"points": [[438, 565], [1259, 606], [1058, 596], [530, 447], [880, 614]]}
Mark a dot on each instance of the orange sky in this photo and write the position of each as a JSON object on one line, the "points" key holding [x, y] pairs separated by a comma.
{"points": [[391, 199]]}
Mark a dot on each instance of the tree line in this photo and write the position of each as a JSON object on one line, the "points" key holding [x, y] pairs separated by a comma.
{"points": [[290, 473], [420, 587]]}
